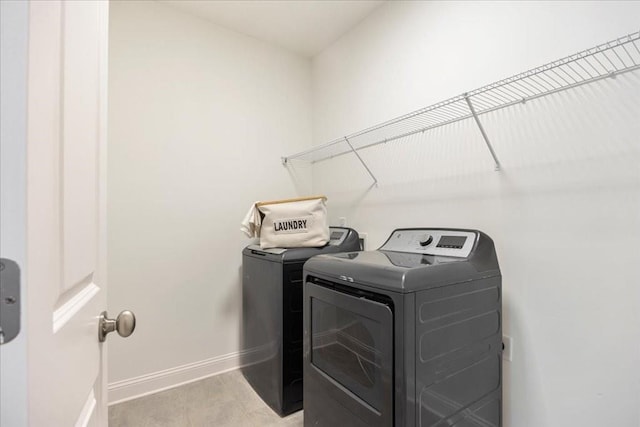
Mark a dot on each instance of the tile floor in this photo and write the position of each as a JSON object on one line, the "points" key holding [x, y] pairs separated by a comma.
{"points": [[226, 400]]}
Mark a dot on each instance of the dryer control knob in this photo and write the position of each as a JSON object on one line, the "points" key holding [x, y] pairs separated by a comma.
{"points": [[426, 239]]}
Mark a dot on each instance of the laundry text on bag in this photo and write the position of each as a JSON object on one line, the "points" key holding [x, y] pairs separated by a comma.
{"points": [[292, 225]]}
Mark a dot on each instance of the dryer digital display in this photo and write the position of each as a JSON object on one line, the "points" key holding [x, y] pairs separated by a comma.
{"points": [[453, 242]]}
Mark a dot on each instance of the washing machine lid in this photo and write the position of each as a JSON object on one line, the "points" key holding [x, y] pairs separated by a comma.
{"points": [[414, 259], [341, 239]]}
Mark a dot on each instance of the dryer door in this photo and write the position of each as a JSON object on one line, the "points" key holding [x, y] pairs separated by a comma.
{"points": [[348, 358]]}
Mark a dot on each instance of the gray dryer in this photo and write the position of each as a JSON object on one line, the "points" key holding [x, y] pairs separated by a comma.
{"points": [[407, 335]]}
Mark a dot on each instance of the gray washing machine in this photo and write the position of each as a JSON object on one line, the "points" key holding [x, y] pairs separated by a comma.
{"points": [[272, 317], [407, 335]]}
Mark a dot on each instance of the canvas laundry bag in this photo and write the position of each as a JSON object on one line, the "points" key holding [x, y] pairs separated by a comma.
{"points": [[294, 223]]}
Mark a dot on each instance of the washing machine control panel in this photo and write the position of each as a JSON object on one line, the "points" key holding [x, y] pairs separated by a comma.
{"points": [[337, 235], [450, 243]]}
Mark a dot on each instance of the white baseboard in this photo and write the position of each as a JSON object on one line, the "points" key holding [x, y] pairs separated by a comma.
{"points": [[121, 391]]}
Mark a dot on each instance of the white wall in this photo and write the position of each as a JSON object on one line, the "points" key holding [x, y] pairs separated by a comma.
{"points": [[199, 117], [564, 212], [14, 29]]}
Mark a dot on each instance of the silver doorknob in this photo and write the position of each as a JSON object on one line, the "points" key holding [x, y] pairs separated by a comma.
{"points": [[125, 324]]}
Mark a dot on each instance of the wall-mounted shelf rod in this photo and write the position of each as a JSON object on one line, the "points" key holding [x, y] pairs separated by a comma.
{"points": [[607, 60], [482, 131], [375, 180]]}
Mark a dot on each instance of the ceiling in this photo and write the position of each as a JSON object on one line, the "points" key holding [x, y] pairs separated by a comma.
{"points": [[305, 27]]}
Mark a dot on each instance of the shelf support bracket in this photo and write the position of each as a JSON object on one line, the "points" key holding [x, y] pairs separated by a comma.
{"points": [[375, 181], [482, 131]]}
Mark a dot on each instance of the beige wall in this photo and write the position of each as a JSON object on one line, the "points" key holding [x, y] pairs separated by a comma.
{"points": [[564, 212], [199, 117], [197, 111]]}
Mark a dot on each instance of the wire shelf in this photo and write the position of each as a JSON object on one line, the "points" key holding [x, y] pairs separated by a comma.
{"points": [[604, 61]]}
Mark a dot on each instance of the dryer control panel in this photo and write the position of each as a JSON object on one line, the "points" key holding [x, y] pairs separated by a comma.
{"points": [[438, 242]]}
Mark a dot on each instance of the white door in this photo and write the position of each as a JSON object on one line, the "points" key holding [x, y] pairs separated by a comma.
{"points": [[66, 251]]}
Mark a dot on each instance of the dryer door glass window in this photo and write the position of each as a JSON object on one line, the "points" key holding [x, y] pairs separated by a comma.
{"points": [[348, 344]]}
